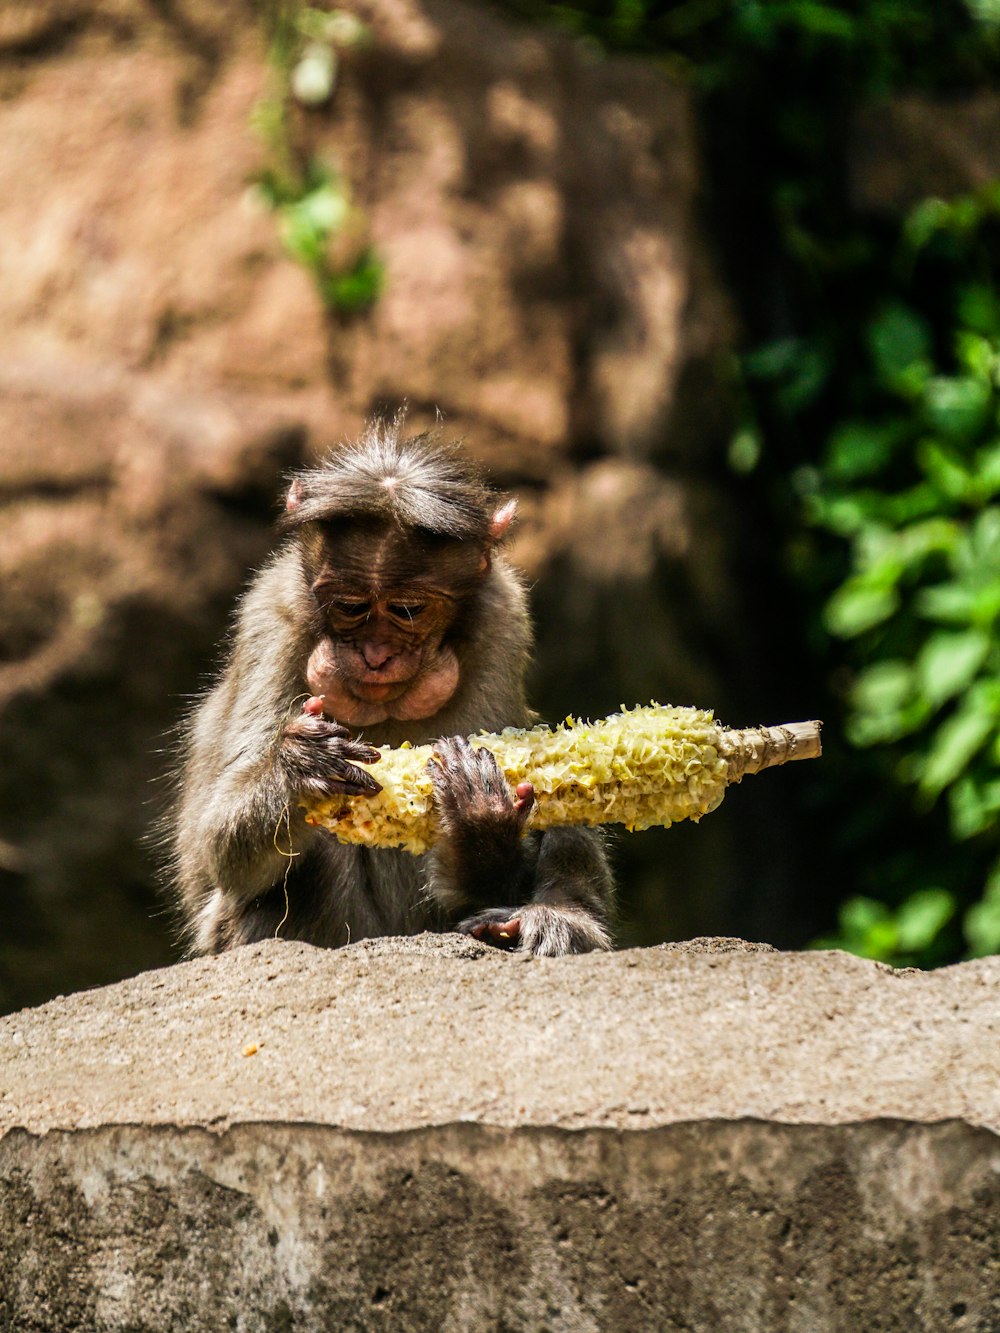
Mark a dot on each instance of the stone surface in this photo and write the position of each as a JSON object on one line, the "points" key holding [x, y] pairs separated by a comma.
{"points": [[393, 1034], [910, 148], [424, 1133]]}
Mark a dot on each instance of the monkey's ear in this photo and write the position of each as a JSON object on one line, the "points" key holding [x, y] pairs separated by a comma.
{"points": [[295, 496], [501, 521]]}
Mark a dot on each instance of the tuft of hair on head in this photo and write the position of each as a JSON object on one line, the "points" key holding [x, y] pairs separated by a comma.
{"points": [[416, 481]]}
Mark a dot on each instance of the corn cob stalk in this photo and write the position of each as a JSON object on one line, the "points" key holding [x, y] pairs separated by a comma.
{"points": [[641, 767]]}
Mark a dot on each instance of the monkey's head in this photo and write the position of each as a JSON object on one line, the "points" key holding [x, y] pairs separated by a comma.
{"points": [[397, 536]]}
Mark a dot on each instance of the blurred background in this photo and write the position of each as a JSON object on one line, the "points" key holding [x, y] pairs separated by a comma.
{"points": [[712, 286]]}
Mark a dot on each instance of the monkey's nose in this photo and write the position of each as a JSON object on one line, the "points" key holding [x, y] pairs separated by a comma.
{"points": [[376, 654]]}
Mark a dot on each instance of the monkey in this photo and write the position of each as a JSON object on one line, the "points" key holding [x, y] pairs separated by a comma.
{"points": [[390, 610]]}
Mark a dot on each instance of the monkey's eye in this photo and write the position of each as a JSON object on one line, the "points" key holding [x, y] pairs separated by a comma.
{"points": [[352, 610], [406, 610]]}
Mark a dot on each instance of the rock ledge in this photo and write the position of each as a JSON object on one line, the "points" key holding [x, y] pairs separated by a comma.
{"points": [[408, 1134]]}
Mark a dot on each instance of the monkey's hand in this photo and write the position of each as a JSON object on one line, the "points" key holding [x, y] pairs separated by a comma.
{"points": [[481, 821], [473, 797], [546, 930], [317, 756]]}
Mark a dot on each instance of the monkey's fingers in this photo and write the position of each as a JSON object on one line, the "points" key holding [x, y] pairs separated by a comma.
{"points": [[325, 788], [364, 754], [491, 776], [352, 781], [313, 727], [524, 800], [451, 770]]}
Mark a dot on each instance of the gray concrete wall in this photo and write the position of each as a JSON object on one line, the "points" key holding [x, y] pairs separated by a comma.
{"points": [[424, 1134]]}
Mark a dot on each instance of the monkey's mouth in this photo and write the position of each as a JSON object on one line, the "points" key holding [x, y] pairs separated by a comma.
{"points": [[377, 691]]}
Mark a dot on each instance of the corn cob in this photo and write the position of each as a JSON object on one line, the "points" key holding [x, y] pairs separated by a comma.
{"points": [[641, 767]]}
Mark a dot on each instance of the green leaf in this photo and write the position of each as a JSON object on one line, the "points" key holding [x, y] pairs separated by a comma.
{"points": [[884, 685], [918, 501], [928, 219], [973, 805], [773, 360], [978, 308], [944, 470], [948, 603], [982, 928], [982, 920], [898, 338], [867, 927], [845, 515], [860, 449], [913, 544], [965, 215], [308, 224], [957, 741], [857, 606], [797, 367], [976, 354], [957, 406], [866, 729], [986, 12], [884, 705], [984, 543], [859, 914], [808, 377], [745, 450], [921, 918], [325, 209], [821, 20], [358, 288], [949, 662], [986, 472]]}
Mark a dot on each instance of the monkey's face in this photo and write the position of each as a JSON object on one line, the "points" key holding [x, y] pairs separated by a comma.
{"points": [[391, 606]]}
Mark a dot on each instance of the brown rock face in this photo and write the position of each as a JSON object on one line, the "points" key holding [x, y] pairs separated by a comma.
{"points": [[422, 1133], [913, 147], [164, 360]]}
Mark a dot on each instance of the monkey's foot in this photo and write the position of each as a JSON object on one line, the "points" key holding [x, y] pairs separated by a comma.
{"points": [[540, 929], [499, 926]]}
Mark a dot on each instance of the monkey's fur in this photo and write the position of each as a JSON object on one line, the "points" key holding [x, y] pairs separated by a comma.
{"points": [[388, 600]]}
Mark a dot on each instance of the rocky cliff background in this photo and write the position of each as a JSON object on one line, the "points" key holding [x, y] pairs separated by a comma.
{"points": [[551, 289]]}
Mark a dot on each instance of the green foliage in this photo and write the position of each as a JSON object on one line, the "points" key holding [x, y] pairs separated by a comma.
{"points": [[909, 486], [870, 424], [310, 199], [902, 937], [884, 44]]}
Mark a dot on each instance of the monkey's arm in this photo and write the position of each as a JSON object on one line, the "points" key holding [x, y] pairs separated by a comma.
{"points": [[571, 905], [559, 881], [247, 760]]}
